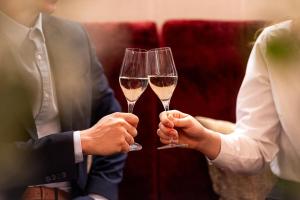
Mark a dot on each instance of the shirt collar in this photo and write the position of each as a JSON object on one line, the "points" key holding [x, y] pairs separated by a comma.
{"points": [[17, 32]]}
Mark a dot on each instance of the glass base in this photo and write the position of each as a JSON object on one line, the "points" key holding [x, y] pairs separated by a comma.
{"points": [[135, 147], [169, 146]]}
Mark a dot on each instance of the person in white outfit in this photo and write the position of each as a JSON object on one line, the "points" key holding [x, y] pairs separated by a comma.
{"points": [[268, 115]]}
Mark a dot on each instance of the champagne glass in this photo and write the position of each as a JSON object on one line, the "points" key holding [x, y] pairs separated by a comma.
{"points": [[163, 80], [133, 79]]}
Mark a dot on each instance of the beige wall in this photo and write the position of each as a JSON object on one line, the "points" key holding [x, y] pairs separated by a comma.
{"points": [[160, 10], [270, 9]]}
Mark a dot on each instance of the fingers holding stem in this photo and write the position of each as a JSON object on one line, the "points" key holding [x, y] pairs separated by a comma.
{"points": [[169, 117]]}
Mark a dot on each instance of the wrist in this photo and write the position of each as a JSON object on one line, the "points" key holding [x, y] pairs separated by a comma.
{"points": [[85, 141], [210, 144], [203, 139]]}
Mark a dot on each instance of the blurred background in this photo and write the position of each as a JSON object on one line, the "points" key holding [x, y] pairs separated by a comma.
{"points": [[161, 10]]}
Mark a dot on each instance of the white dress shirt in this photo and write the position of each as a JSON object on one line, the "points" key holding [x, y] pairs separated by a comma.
{"points": [[268, 111]]}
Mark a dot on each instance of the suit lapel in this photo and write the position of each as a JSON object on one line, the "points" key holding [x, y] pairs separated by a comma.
{"points": [[16, 66], [28, 121], [57, 48], [66, 61]]}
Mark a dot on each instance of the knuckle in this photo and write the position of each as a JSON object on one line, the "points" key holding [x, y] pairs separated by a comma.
{"points": [[109, 119], [161, 115], [117, 131], [113, 115], [160, 125], [116, 114], [120, 130], [120, 122], [137, 119], [158, 132], [135, 132], [163, 127], [134, 117]]}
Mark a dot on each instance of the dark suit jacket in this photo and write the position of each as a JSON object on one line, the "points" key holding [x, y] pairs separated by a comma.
{"points": [[83, 97]]}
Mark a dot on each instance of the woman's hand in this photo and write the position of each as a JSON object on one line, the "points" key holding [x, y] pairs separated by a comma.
{"points": [[182, 128]]}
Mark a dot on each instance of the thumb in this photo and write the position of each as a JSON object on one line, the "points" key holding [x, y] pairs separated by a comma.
{"points": [[182, 122]]}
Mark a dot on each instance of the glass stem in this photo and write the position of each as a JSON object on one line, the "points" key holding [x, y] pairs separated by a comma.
{"points": [[166, 105], [130, 106]]}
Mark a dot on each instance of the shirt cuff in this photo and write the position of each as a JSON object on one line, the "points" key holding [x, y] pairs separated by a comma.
{"points": [[77, 147], [97, 197], [224, 157]]}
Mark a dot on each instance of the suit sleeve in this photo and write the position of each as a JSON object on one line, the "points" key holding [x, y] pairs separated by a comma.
{"points": [[106, 172]]}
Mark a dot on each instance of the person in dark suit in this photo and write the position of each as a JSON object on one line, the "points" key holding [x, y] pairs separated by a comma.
{"points": [[56, 107]]}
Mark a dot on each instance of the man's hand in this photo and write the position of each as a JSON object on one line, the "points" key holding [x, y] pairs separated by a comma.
{"points": [[185, 129], [112, 134]]}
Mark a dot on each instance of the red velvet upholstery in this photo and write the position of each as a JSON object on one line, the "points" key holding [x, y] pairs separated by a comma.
{"points": [[111, 39], [210, 57]]}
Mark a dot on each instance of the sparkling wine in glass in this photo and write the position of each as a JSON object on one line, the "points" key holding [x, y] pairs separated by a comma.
{"points": [[133, 79], [163, 80]]}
